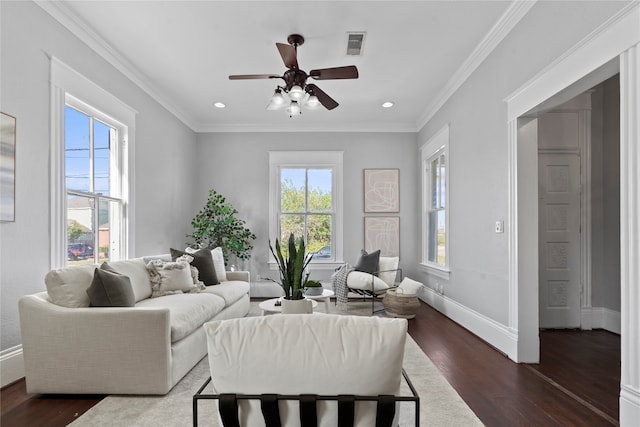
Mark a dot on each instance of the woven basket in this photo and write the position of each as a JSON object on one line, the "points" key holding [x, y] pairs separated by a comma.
{"points": [[397, 304]]}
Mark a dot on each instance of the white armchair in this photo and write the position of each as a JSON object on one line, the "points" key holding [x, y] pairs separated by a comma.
{"points": [[377, 283], [297, 363]]}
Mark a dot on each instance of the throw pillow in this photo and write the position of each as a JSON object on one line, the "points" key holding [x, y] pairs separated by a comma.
{"points": [[388, 269], [110, 289], [410, 286], [218, 264], [203, 261], [368, 263], [169, 278]]}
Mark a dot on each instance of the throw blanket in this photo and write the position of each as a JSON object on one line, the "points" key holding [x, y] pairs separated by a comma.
{"points": [[339, 281]]}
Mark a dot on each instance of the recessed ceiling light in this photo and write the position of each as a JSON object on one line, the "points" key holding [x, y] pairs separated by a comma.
{"points": [[219, 104], [387, 104]]}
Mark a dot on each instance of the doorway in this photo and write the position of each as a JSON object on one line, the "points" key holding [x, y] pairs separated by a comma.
{"points": [[617, 46], [579, 211]]}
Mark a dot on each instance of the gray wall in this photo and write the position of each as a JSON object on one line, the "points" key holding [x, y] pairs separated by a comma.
{"points": [[477, 114], [237, 165], [164, 153], [605, 160]]}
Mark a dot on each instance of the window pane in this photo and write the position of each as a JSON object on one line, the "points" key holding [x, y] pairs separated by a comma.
{"points": [[76, 149], [434, 184], [319, 236], [442, 181], [80, 233], [432, 243], [101, 145], [291, 224], [319, 182], [292, 185], [442, 238], [108, 229]]}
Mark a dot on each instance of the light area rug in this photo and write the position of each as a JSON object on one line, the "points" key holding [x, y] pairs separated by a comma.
{"points": [[440, 405]]}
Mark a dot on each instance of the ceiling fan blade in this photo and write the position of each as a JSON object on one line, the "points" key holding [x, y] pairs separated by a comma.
{"points": [[328, 102], [253, 76], [348, 72], [289, 56]]}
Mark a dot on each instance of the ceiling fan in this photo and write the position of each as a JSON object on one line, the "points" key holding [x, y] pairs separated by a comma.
{"points": [[295, 80]]}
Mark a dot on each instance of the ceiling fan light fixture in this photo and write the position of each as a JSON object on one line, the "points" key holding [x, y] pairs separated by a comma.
{"points": [[387, 104], [219, 104], [277, 99], [296, 93], [294, 109], [313, 102]]}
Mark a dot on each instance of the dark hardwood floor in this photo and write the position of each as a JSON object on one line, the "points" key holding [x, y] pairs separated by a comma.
{"points": [[576, 383]]}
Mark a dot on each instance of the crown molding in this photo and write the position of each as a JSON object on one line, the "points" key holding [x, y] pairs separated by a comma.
{"points": [[88, 36], [347, 128], [509, 19]]}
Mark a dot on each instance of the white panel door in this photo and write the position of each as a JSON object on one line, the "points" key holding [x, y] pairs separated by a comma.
{"points": [[559, 240]]}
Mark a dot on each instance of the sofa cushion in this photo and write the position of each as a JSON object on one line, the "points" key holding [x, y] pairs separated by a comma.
{"points": [[68, 286], [136, 270], [368, 262], [187, 312], [203, 261], [110, 289], [231, 291]]}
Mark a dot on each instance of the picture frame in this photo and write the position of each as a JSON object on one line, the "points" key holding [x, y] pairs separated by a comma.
{"points": [[382, 232], [7, 168], [381, 190]]}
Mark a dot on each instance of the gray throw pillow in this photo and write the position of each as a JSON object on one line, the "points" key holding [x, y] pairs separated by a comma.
{"points": [[368, 263], [203, 261], [110, 289]]}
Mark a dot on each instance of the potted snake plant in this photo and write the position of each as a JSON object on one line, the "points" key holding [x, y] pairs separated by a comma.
{"points": [[292, 263]]}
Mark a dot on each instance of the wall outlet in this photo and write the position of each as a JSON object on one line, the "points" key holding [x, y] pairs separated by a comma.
{"points": [[499, 226]]}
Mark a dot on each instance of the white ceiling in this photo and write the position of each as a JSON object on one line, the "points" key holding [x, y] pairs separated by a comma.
{"points": [[181, 52]]}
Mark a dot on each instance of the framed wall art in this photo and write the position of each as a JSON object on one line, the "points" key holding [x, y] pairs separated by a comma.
{"points": [[7, 167], [382, 232], [381, 190]]}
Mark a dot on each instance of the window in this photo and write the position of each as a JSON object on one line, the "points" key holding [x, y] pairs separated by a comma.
{"points": [[94, 201], [91, 198], [305, 189], [435, 159]]}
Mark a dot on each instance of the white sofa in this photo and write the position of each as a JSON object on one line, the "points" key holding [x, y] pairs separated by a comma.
{"points": [[70, 347]]}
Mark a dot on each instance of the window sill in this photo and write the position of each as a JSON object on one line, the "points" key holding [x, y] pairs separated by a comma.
{"points": [[442, 273]]}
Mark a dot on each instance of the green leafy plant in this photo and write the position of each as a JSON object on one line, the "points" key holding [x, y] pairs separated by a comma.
{"points": [[292, 261], [312, 284], [217, 225]]}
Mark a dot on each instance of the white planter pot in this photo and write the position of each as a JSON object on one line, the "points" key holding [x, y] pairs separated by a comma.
{"points": [[314, 291], [296, 306]]}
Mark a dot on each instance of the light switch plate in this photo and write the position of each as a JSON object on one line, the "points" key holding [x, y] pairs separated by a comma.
{"points": [[499, 226]]}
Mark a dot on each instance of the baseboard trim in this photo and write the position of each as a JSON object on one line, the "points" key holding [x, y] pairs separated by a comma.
{"points": [[601, 318], [11, 365], [494, 333], [629, 406]]}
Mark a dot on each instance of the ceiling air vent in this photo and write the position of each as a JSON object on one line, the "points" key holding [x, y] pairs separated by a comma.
{"points": [[354, 43]]}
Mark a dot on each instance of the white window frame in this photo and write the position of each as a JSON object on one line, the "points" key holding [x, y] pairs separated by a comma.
{"points": [[308, 159], [436, 145], [68, 87]]}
